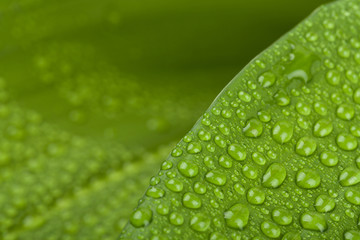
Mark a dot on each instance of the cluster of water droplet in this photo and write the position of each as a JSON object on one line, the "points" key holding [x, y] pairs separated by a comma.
{"points": [[276, 156]]}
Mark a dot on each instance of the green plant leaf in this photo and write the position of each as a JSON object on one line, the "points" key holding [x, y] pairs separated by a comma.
{"points": [[276, 154], [90, 96]]}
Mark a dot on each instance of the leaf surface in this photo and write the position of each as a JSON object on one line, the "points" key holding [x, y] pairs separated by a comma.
{"points": [[276, 154]]}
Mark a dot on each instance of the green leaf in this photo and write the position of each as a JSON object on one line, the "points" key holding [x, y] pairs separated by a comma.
{"points": [[276, 154], [92, 91]]}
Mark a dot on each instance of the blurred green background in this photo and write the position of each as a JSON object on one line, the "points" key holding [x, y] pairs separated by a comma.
{"points": [[94, 94]]}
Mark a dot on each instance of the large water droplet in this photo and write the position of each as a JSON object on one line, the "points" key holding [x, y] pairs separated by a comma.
{"points": [[270, 229], [282, 216], [323, 128], [353, 196], [346, 141], [349, 176], [191, 200], [274, 176], [188, 168], [267, 79], [282, 131], [255, 196], [200, 222], [324, 203], [176, 219], [237, 216], [333, 77], [308, 178], [253, 128], [141, 217], [345, 111], [174, 185], [313, 221], [258, 158], [194, 147], [237, 152], [352, 235], [329, 159], [305, 146], [215, 177]]}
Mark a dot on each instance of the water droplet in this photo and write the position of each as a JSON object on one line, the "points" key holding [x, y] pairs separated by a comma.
{"points": [[324, 203], [191, 200], [349, 176], [303, 108], [344, 51], [224, 129], [200, 222], [237, 152], [282, 216], [220, 141], [162, 209], [306, 146], [355, 130], [204, 135], [308, 178], [188, 169], [225, 161], [352, 235], [329, 159], [320, 108], [282, 98], [270, 229], [328, 24], [353, 196], [253, 128], [226, 113], [323, 128], [200, 188], [237, 216], [264, 116], [282, 131], [346, 141], [141, 217], [176, 219], [258, 158], [356, 96], [274, 176], [174, 185], [313, 221], [177, 152], [194, 147], [352, 76], [333, 77], [249, 171], [155, 192], [216, 178], [245, 97], [239, 188], [255, 196], [345, 112], [267, 79]]}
